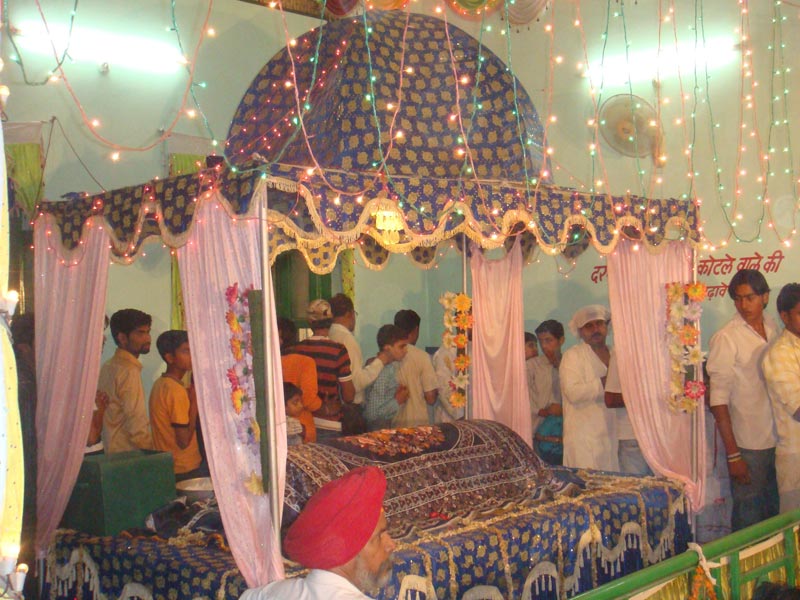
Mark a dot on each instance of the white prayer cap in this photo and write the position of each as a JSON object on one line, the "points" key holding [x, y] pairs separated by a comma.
{"points": [[587, 314], [319, 310]]}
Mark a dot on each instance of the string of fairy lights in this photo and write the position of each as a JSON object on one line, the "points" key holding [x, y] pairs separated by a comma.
{"points": [[729, 203], [763, 166]]}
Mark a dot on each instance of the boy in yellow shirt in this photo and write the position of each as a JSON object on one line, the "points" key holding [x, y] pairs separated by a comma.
{"points": [[173, 408]]}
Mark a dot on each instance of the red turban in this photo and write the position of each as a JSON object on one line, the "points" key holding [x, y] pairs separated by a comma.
{"points": [[338, 520]]}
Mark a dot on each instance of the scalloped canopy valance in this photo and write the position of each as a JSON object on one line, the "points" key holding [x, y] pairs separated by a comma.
{"points": [[166, 208]]}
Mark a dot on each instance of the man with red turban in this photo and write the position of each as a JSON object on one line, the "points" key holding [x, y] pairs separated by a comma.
{"points": [[341, 535]]}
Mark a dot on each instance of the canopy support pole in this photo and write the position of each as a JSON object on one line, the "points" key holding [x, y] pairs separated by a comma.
{"points": [[266, 298], [468, 409], [695, 428]]}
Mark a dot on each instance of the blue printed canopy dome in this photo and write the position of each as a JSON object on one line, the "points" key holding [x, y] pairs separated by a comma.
{"points": [[389, 132], [392, 106]]}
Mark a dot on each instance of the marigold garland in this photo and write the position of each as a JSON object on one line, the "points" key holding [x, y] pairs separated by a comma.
{"points": [[700, 583], [457, 324], [683, 336]]}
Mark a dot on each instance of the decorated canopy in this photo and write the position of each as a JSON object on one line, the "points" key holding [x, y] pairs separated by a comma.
{"points": [[389, 132]]}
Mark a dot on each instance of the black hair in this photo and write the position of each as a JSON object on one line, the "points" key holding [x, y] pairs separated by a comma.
{"points": [[126, 320], [407, 320], [788, 297], [287, 331], [750, 277], [529, 337], [769, 590], [341, 305], [552, 327], [289, 390], [169, 341], [389, 335], [23, 329]]}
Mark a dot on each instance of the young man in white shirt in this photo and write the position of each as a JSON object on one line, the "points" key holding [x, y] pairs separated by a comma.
{"points": [[545, 392], [739, 400]]}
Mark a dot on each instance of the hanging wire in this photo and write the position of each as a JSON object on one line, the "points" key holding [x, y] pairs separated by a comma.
{"points": [[190, 73], [18, 55]]}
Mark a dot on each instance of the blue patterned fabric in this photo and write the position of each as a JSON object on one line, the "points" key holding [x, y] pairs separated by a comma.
{"points": [[470, 503], [517, 524], [198, 568]]}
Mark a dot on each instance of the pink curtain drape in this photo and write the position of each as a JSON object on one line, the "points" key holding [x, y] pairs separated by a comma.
{"points": [[70, 296], [636, 291], [222, 252], [499, 378]]}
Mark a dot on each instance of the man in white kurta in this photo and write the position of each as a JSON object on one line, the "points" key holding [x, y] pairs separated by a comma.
{"points": [[342, 328], [781, 367], [589, 428], [317, 585], [341, 535]]}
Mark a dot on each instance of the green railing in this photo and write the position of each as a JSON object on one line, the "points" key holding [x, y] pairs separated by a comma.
{"points": [[731, 576]]}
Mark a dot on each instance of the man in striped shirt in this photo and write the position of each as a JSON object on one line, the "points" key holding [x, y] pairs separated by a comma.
{"points": [[334, 376]]}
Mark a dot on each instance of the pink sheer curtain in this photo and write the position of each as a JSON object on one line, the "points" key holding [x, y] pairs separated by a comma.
{"points": [[500, 386], [221, 252], [70, 295], [636, 291]]}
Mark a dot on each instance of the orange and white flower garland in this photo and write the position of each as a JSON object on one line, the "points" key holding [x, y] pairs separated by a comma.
{"points": [[683, 336], [457, 325]]}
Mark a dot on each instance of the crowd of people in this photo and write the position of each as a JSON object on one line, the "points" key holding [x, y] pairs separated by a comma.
{"points": [[579, 420], [577, 405], [343, 394], [121, 420]]}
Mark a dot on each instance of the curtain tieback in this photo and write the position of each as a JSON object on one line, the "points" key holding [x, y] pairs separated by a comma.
{"points": [[704, 564]]}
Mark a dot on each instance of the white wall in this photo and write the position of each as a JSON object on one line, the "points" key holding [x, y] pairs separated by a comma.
{"points": [[132, 107]]}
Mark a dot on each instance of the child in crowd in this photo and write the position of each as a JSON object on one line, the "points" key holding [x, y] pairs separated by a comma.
{"points": [[531, 346], [384, 397], [531, 353], [173, 408], [293, 398], [545, 393]]}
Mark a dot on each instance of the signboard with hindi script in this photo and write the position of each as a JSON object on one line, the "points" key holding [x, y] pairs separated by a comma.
{"points": [[715, 270], [719, 267]]}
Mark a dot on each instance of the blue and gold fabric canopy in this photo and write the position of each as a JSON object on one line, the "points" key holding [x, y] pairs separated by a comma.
{"points": [[390, 132], [401, 114], [394, 112]]}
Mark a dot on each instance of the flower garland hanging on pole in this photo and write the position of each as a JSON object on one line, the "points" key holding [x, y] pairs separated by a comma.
{"points": [[683, 336], [240, 378], [457, 325]]}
